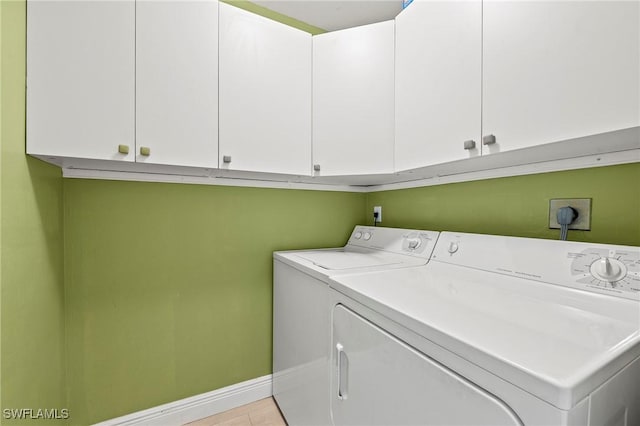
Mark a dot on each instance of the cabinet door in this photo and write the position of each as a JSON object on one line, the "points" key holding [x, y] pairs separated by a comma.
{"points": [[80, 78], [558, 70], [265, 94], [177, 82], [353, 100], [438, 82]]}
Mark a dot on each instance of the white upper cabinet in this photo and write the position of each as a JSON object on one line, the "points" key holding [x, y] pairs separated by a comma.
{"points": [[265, 94], [559, 70], [80, 79], [177, 82], [438, 82], [353, 100], [201, 84]]}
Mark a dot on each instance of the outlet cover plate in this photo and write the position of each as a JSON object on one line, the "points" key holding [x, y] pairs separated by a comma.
{"points": [[378, 209], [582, 205]]}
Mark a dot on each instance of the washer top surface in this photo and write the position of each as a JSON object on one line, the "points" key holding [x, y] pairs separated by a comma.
{"points": [[368, 249], [341, 260], [554, 341]]}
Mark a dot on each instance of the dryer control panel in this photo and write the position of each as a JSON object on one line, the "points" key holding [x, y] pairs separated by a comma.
{"points": [[600, 268], [607, 268], [410, 242]]}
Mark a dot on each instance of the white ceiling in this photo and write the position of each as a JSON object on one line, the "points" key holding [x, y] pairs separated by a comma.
{"points": [[334, 15]]}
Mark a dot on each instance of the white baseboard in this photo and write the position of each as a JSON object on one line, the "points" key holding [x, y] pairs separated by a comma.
{"points": [[198, 406]]}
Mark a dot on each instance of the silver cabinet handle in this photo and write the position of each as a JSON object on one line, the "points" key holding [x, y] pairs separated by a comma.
{"points": [[488, 140], [226, 159], [471, 144], [316, 167], [343, 372]]}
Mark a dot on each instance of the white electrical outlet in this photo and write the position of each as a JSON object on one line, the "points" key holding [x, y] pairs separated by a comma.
{"points": [[378, 209]]}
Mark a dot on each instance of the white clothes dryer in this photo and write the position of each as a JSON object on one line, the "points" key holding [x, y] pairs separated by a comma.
{"points": [[301, 311], [492, 331]]}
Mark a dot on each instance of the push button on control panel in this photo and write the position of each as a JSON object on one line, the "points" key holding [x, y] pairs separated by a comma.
{"points": [[357, 235], [367, 236]]}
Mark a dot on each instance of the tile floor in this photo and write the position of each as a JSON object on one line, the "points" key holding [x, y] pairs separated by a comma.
{"points": [[260, 413]]}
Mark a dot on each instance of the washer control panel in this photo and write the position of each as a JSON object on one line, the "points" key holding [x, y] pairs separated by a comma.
{"points": [[600, 268], [409, 242]]}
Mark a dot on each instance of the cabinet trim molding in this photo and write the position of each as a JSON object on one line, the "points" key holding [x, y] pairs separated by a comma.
{"points": [[605, 149]]}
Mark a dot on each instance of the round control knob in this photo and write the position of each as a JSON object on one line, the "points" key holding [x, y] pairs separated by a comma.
{"points": [[367, 236], [453, 247], [357, 235], [608, 269], [414, 243]]}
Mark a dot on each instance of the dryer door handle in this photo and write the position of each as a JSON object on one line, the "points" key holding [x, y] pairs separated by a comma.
{"points": [[343, 372]]}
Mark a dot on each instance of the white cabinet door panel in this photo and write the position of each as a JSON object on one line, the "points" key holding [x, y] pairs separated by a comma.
{"points": [[559, 70], [353, 100], [438, 82], [80, 78], [265, 94], [177, 82]]}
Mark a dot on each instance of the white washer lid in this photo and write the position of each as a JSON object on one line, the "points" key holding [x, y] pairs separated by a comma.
{"points": [[341, 260], [554, 342]]}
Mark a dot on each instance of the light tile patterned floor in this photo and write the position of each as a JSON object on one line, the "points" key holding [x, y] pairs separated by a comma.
{"points": [[260, 413]]}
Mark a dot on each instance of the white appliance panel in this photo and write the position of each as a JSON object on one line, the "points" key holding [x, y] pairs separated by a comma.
{"points": [[341, 260], [379, 380], [530, 409], [617, 402], [408, 242], [515, 332], [300, 346], [566, 263], [557, 319], [301, 314]]}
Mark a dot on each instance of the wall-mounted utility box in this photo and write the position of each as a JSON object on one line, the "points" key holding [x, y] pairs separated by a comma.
{"points": [[582, 205]]}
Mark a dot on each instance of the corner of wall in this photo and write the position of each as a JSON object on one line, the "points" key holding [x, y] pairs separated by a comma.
{"points": [[519, 205], [31, 277], [1, 142], [268, 13]]}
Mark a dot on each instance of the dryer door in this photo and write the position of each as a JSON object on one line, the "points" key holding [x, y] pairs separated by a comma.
{"points": [[379, 380]]}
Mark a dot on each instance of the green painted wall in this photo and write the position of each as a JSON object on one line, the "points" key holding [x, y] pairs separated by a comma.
{"points": [[169, 287], [519, 206], [31, 269], [1, 118]]}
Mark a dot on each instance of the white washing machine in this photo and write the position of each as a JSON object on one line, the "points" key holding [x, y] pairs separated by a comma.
{"points": [[492, 331], [301, 311]]}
